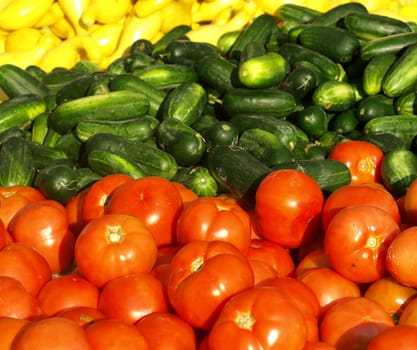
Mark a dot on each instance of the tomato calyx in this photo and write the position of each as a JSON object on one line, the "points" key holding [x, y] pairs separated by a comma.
{"points": [[245, 320], [197, 264], [115, 234]]}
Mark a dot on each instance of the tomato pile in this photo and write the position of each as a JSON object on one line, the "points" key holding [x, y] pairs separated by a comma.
{"points": [[147, 264]]}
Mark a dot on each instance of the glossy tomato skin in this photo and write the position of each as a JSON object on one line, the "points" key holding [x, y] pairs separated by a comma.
{"points": [[82, 315], [410, 204], [288, 208], [318, 345], [408, 315], [214, 218], [259, 318], [74, 208], [212, 270], [356, 242], [363, 159], [316, 258], [154, 200], [114, 245], [400, 337], [9, 328]]}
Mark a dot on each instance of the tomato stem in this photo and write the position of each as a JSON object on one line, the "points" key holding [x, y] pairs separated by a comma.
{"points": [[115, 234], [245, 320]]}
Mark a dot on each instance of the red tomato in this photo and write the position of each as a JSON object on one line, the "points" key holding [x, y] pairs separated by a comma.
{"points": [[316, 258], [131, 297], [204, 275], [318, 345], [362, 194], [400, 337], [363, 159], [16, 301], [214, 218], [408, 315], [401, 254], [81, 314], [9, 327], [350, 323], [25, 264], [114, 245], [67, 291], [328, 285], [51, 333], [259, 318], [356, 242], [74, 212], [115, 334], [154, 200], [167, 331], [410, 204], [5, 237], [288, 208], [187, 194], [261, 270], [99, 194], [43, 224]]}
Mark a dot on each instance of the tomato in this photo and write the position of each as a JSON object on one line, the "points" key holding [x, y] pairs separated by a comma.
{"points": [[9, 327], [363, 194], [316, 258], [401, 255], [5, 237], [408, 315], [350, 323], [25, 264], [288, 208], [328, 285], [51, 333], [186, 193], [114, 245], [167, 331], [154, 200], [114, 334], [410, 204], [364, 160], [43, 224], [391, 294], [356, 242], [261, 270], [318, 345], [16, 301], [74, 212], [400, 337], [214, 218], [99, 193], [81, 314], [66, 291], [212, 270], [259, 318], [131, 297]]}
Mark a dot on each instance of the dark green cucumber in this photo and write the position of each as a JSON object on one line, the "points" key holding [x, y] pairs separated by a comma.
{"points": [[153, 160], [386, 141], [406, 103], [45, 155], [221, 132], [236, 170], [375, 106], [71, 145], [86, 177], [100, 84], [180, 140], [74, 89], [115, 105], [344, 122], [335, 96], [141, 45], [319, 38], [251, 50], [51, 137], [21, 110], [401, 77], [337, 14], [86, 66], [313, 120], [15, 81], [293, 12], [300, 82], [58, 77], [137, 129], [136, 60], [175, 33], [398, 171], [330, 174], [198, 179], [374, 72], [15, 131], [369, 26], [39, 128], [243, 101], [16, 161], [184, 103], [187, 52], [226, 41]]}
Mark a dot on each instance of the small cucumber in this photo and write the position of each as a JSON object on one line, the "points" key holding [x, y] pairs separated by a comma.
{"points": [[45, 155], [313, 120], [300, 82], [221, 132], [344, 122], [375, 106], [177, 32], [293, 12], [337, 14], [187, 52], [386, 141], [335, 96], [406, 103], [374, 72], [39, 128], [198, 179], [76, 88]]}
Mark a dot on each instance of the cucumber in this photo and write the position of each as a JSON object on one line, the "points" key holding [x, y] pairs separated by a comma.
{"points": [[319, 38], [184, 103], [375, 106], [16, 159], [74, 89], [236, 170], [115, 105], [15, 131], [39, 128], [70, 145], [335, 96], [180, 140], [136, 60], [137, 129], [45, 155], [344, 122], [198, 179], [177, 32], [406, 103], [374, 72], [273, 102], [300, 82], [226, 41], [99, 84], [221, 132], [141, 45], [313, 120], [386, 141], [369, 26], [21, 110], [401, 77], [15, 81], [251, 50], [86, 177], [293, 12], [58, 77], [336, 15], [187, 52]]}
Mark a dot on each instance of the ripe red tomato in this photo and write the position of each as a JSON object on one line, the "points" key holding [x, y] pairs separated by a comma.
{"points": [[131, 297], [167, 331], [401, 255], [288, 208], [356, 242], [399, 337], [67, 291], [82, 315], [214, 218], [74, 211], [154, 200], [259, 318], [350, 323], [315, 258], [51, 333], [114, 245], [25, 264], [187, 194], [408, 315], [9, 328], [363, 194], [261, 270], [212, 270], [318, 345], [363, 159], [43, 224], [410, 204]]}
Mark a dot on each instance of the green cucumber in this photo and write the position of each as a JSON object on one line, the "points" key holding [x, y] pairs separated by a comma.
{"points": [[198, 179], [99, 84], [293, 12], [58, 77], [313, 120], [375, 106], [141, 45], [406, 103], [335, 15], [300, 82], [344, 122], [386, 141], [136, 60], [177, 32], [115, 105], [374, 72], [15, 131], [45, 155], [251, 50], [70, 145], [221, 132], [86, 177], [335, 96], [187, 52], [39, 128], [76, 88]]}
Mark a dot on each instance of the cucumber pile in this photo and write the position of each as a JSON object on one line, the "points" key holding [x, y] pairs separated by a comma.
{"points": [[279, 93]]}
